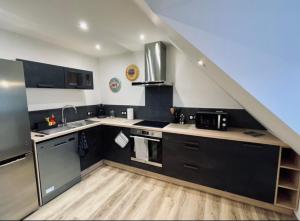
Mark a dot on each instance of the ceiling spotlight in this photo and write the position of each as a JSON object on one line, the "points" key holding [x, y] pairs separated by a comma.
{"points": [[83, 26], [98, 47], [142, 37], [201, 63]]}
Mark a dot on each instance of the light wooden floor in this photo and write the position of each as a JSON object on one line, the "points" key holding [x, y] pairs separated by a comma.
{"points": [[111, 193]]}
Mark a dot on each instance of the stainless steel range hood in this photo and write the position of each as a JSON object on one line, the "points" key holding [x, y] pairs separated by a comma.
{"points": [[155, 65]]}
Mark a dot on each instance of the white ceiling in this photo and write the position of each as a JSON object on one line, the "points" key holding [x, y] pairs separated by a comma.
{"points": [[114, 24]]}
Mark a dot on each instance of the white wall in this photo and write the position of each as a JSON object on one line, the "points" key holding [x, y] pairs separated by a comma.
{"points": [[255, 42], [192, 88], [115, 66], [14, 46]]}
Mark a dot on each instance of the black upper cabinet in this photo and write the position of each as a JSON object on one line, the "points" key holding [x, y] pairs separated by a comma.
{"points": [[40, 75], [78, 79], [236, 167]]}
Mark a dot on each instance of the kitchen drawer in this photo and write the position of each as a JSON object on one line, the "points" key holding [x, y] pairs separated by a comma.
{"points": [[18, 189], [194, 171], [183, 150], [242, 168]]}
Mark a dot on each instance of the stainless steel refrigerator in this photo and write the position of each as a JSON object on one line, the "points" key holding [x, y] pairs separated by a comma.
{"points": [[18, 190]]}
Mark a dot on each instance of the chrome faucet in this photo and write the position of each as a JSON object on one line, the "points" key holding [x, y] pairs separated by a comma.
{"points": [[63, 117]]}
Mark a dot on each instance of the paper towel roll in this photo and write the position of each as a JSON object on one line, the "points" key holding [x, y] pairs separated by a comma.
{"points": [[130, 114]]}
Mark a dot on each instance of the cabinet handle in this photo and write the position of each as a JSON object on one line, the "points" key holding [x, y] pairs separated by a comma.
{"points": [[45, 85], [191, 146], [17, 159], [253, 145], [145, 138], [61, 143], [189, 166]]}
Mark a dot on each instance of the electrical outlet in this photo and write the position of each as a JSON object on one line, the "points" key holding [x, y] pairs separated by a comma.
{"points": [[192, 117], [90, 113]]}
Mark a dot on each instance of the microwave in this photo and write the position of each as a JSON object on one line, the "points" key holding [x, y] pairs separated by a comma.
{"points": [[212, 120]]}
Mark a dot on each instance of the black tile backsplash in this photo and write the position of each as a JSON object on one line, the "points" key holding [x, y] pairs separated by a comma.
{"points": [[238, 117], [158, 101], [39, 116], [159, 97]]}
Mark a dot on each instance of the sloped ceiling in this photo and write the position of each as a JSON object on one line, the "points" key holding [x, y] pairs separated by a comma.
{"points": [[250, 48]]}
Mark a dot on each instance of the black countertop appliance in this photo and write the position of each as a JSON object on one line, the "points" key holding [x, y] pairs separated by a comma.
{"points": [[212, 120]]}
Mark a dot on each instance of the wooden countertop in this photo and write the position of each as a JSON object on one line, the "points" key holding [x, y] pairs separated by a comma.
{"points": [[236, 134]]}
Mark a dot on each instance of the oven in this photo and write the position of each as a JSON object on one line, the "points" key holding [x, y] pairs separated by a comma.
{"points": [[146, 146]]}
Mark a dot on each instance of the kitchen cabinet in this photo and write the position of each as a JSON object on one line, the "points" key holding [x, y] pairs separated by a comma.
{"points": [[39, 75], [78, 79], [113, 151], [245, 169], [95, 151]]}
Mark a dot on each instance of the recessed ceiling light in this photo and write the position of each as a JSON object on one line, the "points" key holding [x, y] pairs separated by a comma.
{"points": [[142, 36], [83, 26], [98, 47], [201, 63]]}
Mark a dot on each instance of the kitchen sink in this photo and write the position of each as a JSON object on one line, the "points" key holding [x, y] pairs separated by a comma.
{"points": [[69, 126], [80, 123]]}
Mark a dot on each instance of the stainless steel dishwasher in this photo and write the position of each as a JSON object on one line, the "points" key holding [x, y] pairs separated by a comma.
{"points": [[59, 165]]}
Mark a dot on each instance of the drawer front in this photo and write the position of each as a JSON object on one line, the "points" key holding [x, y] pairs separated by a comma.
{"points": [[241, 168], [18, 195], [194, 171]]}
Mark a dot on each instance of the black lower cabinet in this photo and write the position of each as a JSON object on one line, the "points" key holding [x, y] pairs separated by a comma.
{"points": [[241, 168], [113, 151], [95, 151]]}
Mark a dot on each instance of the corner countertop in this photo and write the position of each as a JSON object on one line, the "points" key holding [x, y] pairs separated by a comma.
{"points": [[236, 134]]}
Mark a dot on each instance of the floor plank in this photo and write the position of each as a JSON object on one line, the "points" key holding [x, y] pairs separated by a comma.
{"points": [[113, 194]]}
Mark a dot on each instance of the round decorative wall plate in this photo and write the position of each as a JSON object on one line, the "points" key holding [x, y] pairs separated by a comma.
{"points": [[115, 85], [132, 72]]}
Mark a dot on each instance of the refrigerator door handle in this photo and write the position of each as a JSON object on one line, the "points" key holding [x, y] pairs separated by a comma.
{"points": [[23, 157]]}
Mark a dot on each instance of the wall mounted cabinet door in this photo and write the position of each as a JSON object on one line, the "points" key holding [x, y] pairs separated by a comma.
{"points": [[78, 79], [241, 168], [39, 75]]}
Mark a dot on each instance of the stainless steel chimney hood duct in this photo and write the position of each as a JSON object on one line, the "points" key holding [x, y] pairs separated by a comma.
{"points": [[155, 65]]}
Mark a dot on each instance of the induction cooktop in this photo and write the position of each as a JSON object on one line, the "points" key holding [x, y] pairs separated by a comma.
{"points": [[148, 123]]}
